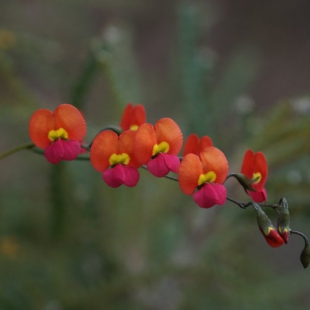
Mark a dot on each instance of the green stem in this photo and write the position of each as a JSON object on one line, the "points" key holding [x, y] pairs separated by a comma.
{"points": [[295, 232], [26, 146], [244, 205]]}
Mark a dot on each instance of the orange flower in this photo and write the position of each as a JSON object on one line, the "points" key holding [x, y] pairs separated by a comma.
{"points": [[157, 146], [195, 145], [59, 133], [206, 173], [254, 167], [133, 117], [113, 155]]}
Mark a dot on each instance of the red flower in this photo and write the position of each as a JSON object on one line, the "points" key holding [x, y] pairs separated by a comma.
{"points": [[206, 173], [113, 155], [195, 145], [157, 146], [59, 133], [133, 117], [254, 166]]}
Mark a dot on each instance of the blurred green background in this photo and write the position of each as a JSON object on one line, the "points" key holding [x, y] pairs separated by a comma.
{"points": [[238, 71]]}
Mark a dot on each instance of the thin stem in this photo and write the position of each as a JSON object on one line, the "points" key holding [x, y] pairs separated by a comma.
{"points": [[25, 146], [295, 232], [239, 204], [244, 205]]}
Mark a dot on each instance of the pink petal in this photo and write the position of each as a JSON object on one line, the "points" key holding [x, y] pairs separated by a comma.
{"points": [[210, 194], [162, 164], [62, 149], [258, 196], [121, 174], [132, 176], [54, 152], [71, 149]]}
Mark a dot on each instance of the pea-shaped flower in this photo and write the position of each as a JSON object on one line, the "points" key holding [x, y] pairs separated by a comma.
{"points": [[203, 176], [158, 146], [59, 133], [195, 145], [254, 166], [133, 117], [113, 156]]}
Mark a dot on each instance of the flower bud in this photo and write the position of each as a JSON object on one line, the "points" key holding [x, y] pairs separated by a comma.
{"points": [[267, 229], [244, 181], [305, 256], [284, 220]]}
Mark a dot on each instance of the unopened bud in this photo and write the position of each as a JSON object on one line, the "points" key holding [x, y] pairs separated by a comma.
{"points": [[305, 256], [244, 181], [267, 229], [284, 220]]}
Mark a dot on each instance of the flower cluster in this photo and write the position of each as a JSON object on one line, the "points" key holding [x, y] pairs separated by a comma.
{"points": [[201, 170]]}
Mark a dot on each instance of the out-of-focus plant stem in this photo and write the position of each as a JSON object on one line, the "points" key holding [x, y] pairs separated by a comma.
{"points": [[26, 146], [58, 188]]}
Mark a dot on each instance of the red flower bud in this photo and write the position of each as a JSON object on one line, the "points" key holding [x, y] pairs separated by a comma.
{"points": [[267, 229]]}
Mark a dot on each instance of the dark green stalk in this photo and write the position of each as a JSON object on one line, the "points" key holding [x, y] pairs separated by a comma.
{"points": [[26, 146]]}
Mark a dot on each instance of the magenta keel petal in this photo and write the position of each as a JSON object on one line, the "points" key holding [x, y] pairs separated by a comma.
{"points": [[121, 174], [115, 176], [210, 194], [71, 149], [54, 152], [157, 166], [62, 149], [172, 162], [131, 176], [162, 164]]}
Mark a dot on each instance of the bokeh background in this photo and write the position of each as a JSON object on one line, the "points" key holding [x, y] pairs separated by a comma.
{"points": [[238, 71]]}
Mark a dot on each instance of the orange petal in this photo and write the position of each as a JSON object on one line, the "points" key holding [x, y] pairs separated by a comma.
{"points": [[41, 122], [144, 142], [195, 145], [72, 120], [189, 172], [260, 165], [104, 145], [139, 115], [167, 130], [127, 145], [214, 160], [133, 116], [204, 142], [191, 144]]}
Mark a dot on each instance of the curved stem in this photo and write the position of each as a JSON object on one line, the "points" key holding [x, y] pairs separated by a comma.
{"points": [[295, 232], [244, 205], [26, 146]]}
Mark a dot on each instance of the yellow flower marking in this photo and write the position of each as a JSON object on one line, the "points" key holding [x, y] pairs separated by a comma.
{"points": [[257, 177], [208, 177], [56, 134], [134, 127], [115, 159], [162, 147]]}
